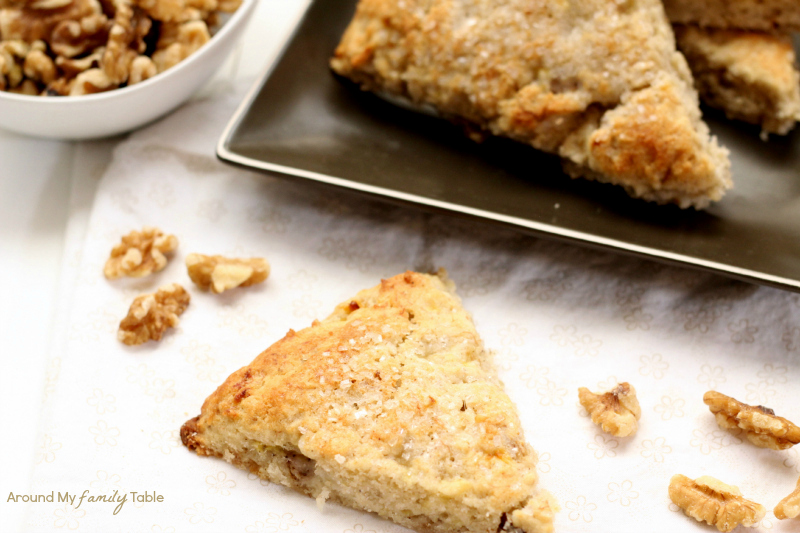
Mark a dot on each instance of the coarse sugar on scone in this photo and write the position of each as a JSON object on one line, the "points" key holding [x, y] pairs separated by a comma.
{"points": [[599, 83], [752, 76], [390, 405]]}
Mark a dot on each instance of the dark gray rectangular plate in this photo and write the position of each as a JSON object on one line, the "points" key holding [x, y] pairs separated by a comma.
{"points": [[300, 121]]}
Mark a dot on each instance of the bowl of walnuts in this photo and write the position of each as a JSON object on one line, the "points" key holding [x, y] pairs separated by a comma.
{"points": [[80, 69]]}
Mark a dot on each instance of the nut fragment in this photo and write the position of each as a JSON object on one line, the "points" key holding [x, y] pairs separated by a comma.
{"points": [[789, 507], [220, 273], [709, 500], [140, 253], [151, 314], [615, 411], [177, 42], [760, 424]]}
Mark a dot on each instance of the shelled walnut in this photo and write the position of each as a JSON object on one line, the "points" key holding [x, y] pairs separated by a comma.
{"points": [[760, 424], [220, 273], [151, 314], [709, 500], [789, 507], [616, 411], [140, 252]]}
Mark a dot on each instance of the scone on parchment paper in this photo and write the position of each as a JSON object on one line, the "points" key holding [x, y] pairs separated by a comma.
{"points": [[390, 405], [761, 15], [752, 76], [598, 82]]}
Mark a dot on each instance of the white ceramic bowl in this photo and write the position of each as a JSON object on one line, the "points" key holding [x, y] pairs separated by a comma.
{"points": [[121, 110]]}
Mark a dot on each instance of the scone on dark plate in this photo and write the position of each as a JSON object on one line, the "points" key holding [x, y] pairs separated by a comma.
{"points": [[390, 405], [750, 75], [598, 82], [760, 15]]}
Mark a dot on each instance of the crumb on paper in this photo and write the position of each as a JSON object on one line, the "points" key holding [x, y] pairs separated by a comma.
{"points": [[718, 504], [219, 274], [150, 315], [140, 253], [615, 411], [760, 424]]}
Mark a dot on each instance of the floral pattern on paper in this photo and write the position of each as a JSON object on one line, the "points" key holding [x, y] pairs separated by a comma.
{"points": [[102, 403], [711, 376], [200, 512], [535, 376], [164, 441], [161, 389], [653, 365], [760, 393], [791, 339], [68, 517], [105, 482], [302, 281], [551, 393], [670, 408], [582, 344], [544, 462], [603, 446], [636, 318], [246, 325], [656, 449], [104, 434], [709, 441], [771, 374], [47, 450], [273, 524], [355, 255], [547, 289], [306, 307], [220, 484], [580, 509], [358, 528], [743, 332], [622, 493], [270, 219], [512, 335]]}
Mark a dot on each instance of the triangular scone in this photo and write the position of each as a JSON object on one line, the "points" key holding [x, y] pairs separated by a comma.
{"points": [[763, 15], [390, 405], [598, 82], [752, 76]]}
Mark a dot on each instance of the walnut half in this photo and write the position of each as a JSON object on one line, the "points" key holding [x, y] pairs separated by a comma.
{"points": [[709, 500], [151, 314], [616, 411], [760, 424], [220, 273], [140, 253], [789, 507]]}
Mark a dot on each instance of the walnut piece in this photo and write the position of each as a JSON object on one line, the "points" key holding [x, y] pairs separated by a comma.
{"points": [[179, 41], [616, 411], [151, 314], [220, 273], [789, 507], [709, 500], [139, 253], [760, 424]]}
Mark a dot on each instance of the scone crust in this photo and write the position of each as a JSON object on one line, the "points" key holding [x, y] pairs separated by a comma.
{"points": [[759, 15], [560, 76], [752, 76], [390, 405]]}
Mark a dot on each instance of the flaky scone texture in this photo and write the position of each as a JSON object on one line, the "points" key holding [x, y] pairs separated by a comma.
{"points": [[597, 82], [752, 76], [390, 405], [761, 15]]}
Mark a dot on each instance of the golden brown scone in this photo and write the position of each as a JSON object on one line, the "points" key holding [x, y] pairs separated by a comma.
{"points": [[597, 82], [760, 15], [752, 76], [390, 405]]}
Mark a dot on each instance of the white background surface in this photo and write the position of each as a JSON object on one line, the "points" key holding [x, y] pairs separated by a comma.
{"points": [[37, 179], [560, 316]]}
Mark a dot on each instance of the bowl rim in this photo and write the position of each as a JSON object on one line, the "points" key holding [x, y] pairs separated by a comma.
{"points": [[244, 10]]}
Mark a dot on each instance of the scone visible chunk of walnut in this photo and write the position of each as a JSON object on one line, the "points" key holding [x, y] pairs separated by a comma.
{"points": [[616, 411], [789, 507], [151, 314], [140, 253], [709, 500], [220, 273], [762, 427]]}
